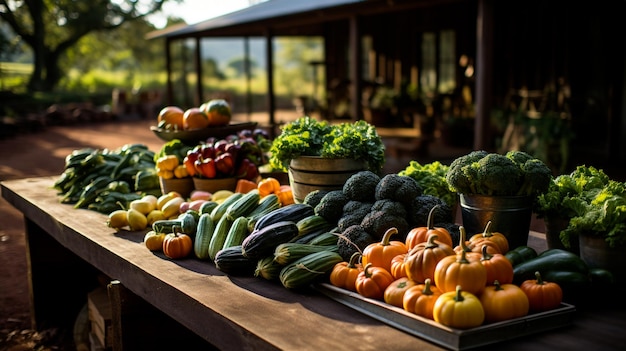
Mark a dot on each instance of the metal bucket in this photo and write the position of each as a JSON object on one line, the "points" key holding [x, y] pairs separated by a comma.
{"points": [[509, 215], [309, 173]]}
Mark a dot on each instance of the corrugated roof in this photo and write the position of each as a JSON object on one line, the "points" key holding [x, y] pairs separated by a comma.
{"points": [[269, 10]]}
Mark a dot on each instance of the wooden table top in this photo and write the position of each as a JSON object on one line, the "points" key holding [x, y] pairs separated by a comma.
{"points": [[262, 314]]}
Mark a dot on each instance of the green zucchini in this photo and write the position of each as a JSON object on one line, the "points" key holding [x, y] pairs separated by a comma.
{"points": [[237, 232], [308, 269], [553, 260], [328, 238], [243, 206], [520, 254], [288, 252], [208, 207], [266, 205], [219, 236], [220, 209], [204, 232]]}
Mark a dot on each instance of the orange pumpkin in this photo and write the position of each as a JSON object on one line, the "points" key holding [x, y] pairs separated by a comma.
{"points": [[503, 301], [394, 294], [498, 267], [421, 261], [420, 299], [421, 234], [457, 270], [344, 274], [177, 245], [497, 239], [373, 281], [465, 246], [380, 254], [398, 269], [542, 295]]}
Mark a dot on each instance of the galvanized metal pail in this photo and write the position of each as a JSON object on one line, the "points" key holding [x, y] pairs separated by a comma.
{"points": [[509, 215], [309, 173]]}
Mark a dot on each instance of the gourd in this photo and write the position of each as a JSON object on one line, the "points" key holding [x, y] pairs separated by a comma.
{"points": [[310, 227], [220, 209], [243, 206], [232, 261], [373, 281], [266, 205], [421, 261], [381, 253], [394, 293], [344, 273], [328, 238], [237, 232], [268, 268], [503, 301], [421, 234], [185, 222], [420, 299], [154, 241], [458, 309], [398, 266], [222, 227], [308, 269]]}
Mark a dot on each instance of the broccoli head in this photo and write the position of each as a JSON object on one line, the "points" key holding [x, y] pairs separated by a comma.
{"points": [[353, 239], [376, 224], [498, 175], [331, 206], [460, 175], [537, 178], [361, 186], [313, 198], [392, 207], [399, 188], [353, 213], [519, 157], [421, 206]]}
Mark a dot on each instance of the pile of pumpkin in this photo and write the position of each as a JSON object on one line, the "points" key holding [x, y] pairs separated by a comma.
{"points": [[461, 287]]}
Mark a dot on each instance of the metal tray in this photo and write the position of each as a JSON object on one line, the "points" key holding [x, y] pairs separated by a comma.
{"points": [[451, 338]]}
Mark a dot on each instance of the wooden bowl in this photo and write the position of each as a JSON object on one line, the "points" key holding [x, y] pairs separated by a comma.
{"points": [[213, 185], [183, 186]]}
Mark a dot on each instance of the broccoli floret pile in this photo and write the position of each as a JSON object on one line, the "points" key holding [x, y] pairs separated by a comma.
{"points": [[331, 206], [353, 239], [314, 197], [421, 206], [516, 173], [390, 206], [353, 213], [376, 224], [398, 188], [361, 186]]}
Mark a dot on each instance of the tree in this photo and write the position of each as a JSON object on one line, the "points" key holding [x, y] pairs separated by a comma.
{"points": [[50, 28]]}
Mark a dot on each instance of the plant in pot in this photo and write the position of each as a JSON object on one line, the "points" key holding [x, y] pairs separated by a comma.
{"points": [[499, 188], [594, 209], [322, 156]]}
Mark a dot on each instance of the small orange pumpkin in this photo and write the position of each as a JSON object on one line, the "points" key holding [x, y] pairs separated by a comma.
{"points": [[373, 281], [465, 246], [420, 299], [177, 245], [458, 270], [498, 267], [497, 239], [398, 269], [421, 261], [503, 301], [421, 234], [394, 293], [344, 274], [542, 295], [380, 254]]}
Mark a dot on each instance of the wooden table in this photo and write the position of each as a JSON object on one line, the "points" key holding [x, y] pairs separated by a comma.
{"points": [[69, 248]]}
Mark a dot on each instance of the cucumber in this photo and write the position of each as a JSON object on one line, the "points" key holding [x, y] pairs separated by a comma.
{"points": [[204, 232], [308, 269]]}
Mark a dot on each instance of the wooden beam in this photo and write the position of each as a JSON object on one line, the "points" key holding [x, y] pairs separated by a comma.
{"points": [[355, 69], [198, 61], [484, 73], [269, 58]]}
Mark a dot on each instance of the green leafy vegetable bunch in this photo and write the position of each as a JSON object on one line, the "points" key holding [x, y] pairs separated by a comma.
{"points": [[592, 201], [307, 136], [432, 179]]}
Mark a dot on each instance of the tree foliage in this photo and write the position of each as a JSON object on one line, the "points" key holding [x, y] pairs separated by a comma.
{"points": [[51, 27]]}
